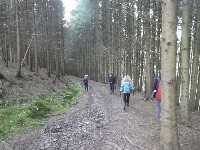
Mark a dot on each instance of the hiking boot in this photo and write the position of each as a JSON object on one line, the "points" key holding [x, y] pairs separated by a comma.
{"points": [[124, 107]]}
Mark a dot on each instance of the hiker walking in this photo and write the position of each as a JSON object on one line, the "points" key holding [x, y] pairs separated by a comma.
{"points": [[155, 87], [126, 89], [85, 82], [112, 80], [156, 94]]}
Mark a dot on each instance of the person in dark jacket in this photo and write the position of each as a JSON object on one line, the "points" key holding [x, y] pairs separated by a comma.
{"points": [[112, 80], [155, 87], [85, 82]]}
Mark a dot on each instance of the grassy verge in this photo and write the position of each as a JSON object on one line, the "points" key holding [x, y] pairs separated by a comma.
{"points": [[16, 120]]}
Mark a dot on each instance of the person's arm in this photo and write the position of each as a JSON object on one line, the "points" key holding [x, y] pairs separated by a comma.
{"points": [[84, 80], [121, 89], [131, 88]]}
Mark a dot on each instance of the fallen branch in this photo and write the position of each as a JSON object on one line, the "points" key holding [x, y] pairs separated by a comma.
{"points": [[27, 51]]}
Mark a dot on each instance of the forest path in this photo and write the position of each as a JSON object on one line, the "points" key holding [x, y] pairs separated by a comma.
{"points": [[98, 121]]}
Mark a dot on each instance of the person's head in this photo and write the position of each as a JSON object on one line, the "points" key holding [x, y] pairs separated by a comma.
{"points": [[127, 78]]}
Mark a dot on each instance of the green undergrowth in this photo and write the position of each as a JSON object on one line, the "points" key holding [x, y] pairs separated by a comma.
{"points": [[5, 82], [17, 120]]}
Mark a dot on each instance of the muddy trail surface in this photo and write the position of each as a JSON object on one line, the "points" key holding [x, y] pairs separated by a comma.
{"points": [[98, 121]]}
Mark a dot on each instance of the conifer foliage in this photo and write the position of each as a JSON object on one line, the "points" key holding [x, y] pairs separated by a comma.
{"points": [[31, 33]]}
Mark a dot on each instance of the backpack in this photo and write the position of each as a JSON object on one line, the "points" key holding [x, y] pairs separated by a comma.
{"points": [[126, 87], [112, 79], [85, 80], [158, 93]]}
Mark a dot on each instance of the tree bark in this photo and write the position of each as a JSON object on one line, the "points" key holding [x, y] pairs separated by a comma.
{"points": [[185, 112], [35, 42], [169, 131], [18, 42], [195, 65], [147, 37]]}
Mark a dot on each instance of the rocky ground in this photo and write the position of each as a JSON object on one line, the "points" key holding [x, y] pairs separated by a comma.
{"points": [[97, 121]]}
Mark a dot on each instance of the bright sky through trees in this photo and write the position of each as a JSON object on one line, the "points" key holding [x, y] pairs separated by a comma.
{"points": [[69, 6]]}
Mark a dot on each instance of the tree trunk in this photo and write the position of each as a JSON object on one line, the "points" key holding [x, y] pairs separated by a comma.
{"points": [[35, 43], [47, 40], [62, 46], [147, 28], [194, 100], [169, 130], [105, 40], [129, 35], [18, 42], [138, 54], [185, 113]]}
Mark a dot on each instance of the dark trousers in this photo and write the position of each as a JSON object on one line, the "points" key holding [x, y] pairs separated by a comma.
{"points": [[86, 86], [126, 97], [111, 88]]}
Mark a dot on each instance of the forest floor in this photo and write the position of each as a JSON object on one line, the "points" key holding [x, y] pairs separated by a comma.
{"points": [[97, 121]]}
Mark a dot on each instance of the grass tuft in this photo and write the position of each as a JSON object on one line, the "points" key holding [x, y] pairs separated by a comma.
{"points": [[16, 120]]}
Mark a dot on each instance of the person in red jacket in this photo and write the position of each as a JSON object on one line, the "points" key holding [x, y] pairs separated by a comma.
{"points": [[158, 101], [156, 94]]}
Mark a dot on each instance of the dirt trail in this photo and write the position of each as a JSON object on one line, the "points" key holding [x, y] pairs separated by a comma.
{"points": [[98, 122]]}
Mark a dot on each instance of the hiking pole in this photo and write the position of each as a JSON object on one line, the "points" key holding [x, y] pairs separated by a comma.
{"points": [[133, 91], [120, 97]]}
